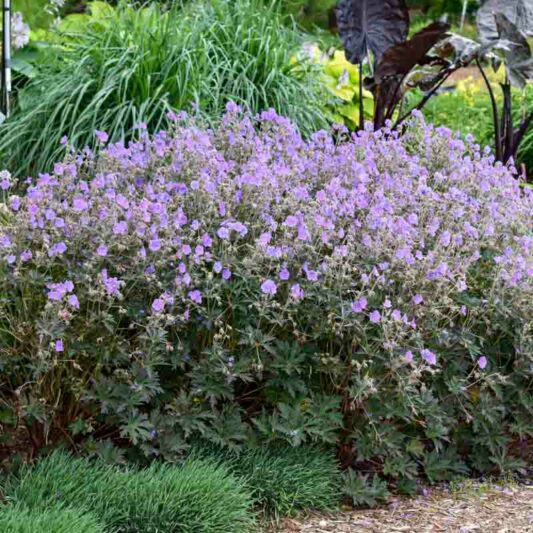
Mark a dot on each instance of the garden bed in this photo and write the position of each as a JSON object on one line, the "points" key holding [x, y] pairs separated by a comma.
{"points": [[470, 506]]}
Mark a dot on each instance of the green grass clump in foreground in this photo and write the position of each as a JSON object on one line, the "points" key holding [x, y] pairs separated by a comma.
{"points": [[283, 479], [15, 519], [196, 496]]}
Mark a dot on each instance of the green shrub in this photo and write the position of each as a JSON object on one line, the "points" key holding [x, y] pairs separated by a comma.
{"points": [[16, 519], [118, 68], [309, 13], [283, 478], [197, 495], [36, 13], [437, 8]]}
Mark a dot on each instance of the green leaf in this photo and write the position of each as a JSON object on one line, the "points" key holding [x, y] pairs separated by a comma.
{"points": [[364, 490]]}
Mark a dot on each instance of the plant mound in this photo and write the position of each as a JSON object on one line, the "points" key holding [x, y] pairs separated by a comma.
{"points": [[242, 284], [14, 519], [197, 495], [282, 479]]}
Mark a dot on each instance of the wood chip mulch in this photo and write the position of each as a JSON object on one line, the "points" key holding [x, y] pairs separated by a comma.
{"points": [[472, 507]]}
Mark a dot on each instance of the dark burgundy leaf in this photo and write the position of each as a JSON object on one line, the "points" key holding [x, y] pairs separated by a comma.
{"points": [[387, 95], [371, 25], [400, 59]]}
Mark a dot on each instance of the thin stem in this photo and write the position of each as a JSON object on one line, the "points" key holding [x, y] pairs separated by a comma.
{"points": [[361, 103], [394, 101], [424, 100], [507, 131], [494, 112], [463, 14], [521, 131]]}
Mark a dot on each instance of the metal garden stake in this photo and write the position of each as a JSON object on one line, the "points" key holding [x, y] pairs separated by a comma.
{"points": [[6, 57]]}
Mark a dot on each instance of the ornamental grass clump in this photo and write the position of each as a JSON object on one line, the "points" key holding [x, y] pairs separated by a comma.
{"points": [[197, 495], [116, 67], [282, 479], [242, 284], [15, 519]]}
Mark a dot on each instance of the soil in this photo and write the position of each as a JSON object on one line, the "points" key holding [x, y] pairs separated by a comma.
{"points": [[470, 507]]}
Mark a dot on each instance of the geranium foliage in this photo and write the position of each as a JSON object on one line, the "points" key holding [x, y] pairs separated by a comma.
{"points": [[242, 284]]}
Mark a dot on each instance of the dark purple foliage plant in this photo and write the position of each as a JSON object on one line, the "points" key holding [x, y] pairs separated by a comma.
{"points": [[375, 31]]}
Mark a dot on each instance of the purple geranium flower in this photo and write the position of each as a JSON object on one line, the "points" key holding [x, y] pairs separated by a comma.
{"points": [[297, 292], [79, 204], [120, 228], [57, 249], [102, 136], [429, 357], [195, 296], [291, 221], [223, 233], [418, 299], [375, 317], [158, 305], [112, 285], [26, 255], [284, 274], [396, 315], [360, 305], [154, 245], [269, 287], [73, 301]]}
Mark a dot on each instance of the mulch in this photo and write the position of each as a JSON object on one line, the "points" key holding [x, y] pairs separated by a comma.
{"points": [[470, 507]]}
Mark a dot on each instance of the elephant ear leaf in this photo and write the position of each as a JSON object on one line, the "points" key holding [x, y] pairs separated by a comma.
{"points": [[518, 60], [371, 25], [461, 51], [400, 59], [519, 12]]}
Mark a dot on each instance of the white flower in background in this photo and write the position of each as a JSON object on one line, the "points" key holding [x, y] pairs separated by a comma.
{"points": [[20, 31], [5, 180], [344, 79]]}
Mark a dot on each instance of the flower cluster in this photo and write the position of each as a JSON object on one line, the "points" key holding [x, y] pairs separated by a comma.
{"points": [[20, 31], [369, 246]]}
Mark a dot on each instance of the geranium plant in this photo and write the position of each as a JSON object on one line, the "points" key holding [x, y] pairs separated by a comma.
{"points": [[244, 285]]}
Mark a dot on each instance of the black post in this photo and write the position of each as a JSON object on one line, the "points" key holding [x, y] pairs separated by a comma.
{"points": [[6, 57], [361, 102]]}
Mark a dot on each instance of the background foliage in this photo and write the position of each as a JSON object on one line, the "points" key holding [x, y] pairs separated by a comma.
{"points": [[114, 69], [467, 108]]}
